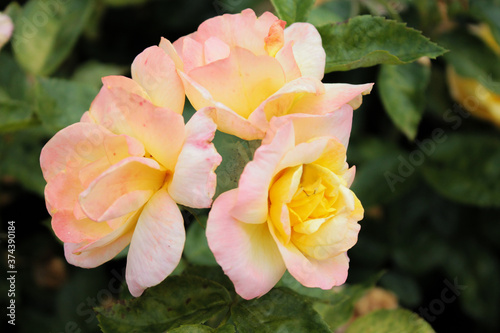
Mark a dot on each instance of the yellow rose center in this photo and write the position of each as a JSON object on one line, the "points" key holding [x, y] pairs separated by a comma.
{"points": [[311, 206]]}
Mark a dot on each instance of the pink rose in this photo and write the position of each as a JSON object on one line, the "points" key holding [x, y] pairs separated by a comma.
{"points": [[252, 69], [115, 178], [6, 28], [293, 208]]}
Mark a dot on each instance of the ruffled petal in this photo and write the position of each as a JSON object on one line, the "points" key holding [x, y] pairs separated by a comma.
{"points": [[333, 96], [157, 244], [6, 29], [333, 237], [252, 200], [287, 60], [155, 127], [241, 81], [194, 180], [215, 49], [307, 49], [123, 188], [155, 71], [226, 119], [191, 52], [282, 102], [71, 230], [246, 252], [336, 124], [96, 256], [304, 153], [169, 49], [72, 148], [313, 273], [238, 30]]}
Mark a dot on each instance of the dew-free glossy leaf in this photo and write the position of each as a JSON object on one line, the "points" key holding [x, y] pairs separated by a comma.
{"points": [[61, 103], [390, 321], [402, 91], [293, 10], [366, 41], [179, 300], [280, 310], [472, 58], [46, 32]]}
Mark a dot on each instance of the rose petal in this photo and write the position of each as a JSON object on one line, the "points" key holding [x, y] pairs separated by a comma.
{"points": [[303, 153], [130, 114], [336, 124], [307, 49], [238, 30], [287, 60], [262, 75], [97, 256], [191, 52], [169, 49], [71, 230], [335, 95], [157, 244], [122, 189], [252, 200], [246, 252], [334, 237], [282, 102], [194, 180], [72, 148], [6, 29], [215, 49], [125, 83], [227, 120], [155, 71], [312, 273]]}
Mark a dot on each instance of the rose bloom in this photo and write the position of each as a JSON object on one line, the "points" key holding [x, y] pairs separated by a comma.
{"points": [[115, 178], [252, 69], [6, 28], [293, 208], [474, 97]]}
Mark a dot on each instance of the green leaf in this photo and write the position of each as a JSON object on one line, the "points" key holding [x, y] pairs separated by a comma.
{"points": [[192, 329], [15, 115], [46, 32], [402, 90], [382, 171], [280, 310], [227, 328], [390, 321], [488, 11], [203, 329], [336, 306], [61, 103], [331, 12], [213, 273], [91, 72], [196, 249], [367, 41], [471, 57], [13, 80], [120, 3], [20, 158], [465, 168], [179, 300], [404, 286], [293, 10], [236, 153]]}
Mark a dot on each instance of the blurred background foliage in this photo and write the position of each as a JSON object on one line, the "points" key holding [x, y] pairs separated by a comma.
{"points": [[426, 144]]}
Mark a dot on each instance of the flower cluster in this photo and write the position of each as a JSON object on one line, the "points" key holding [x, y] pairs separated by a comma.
{"points": [[115, 178]]}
